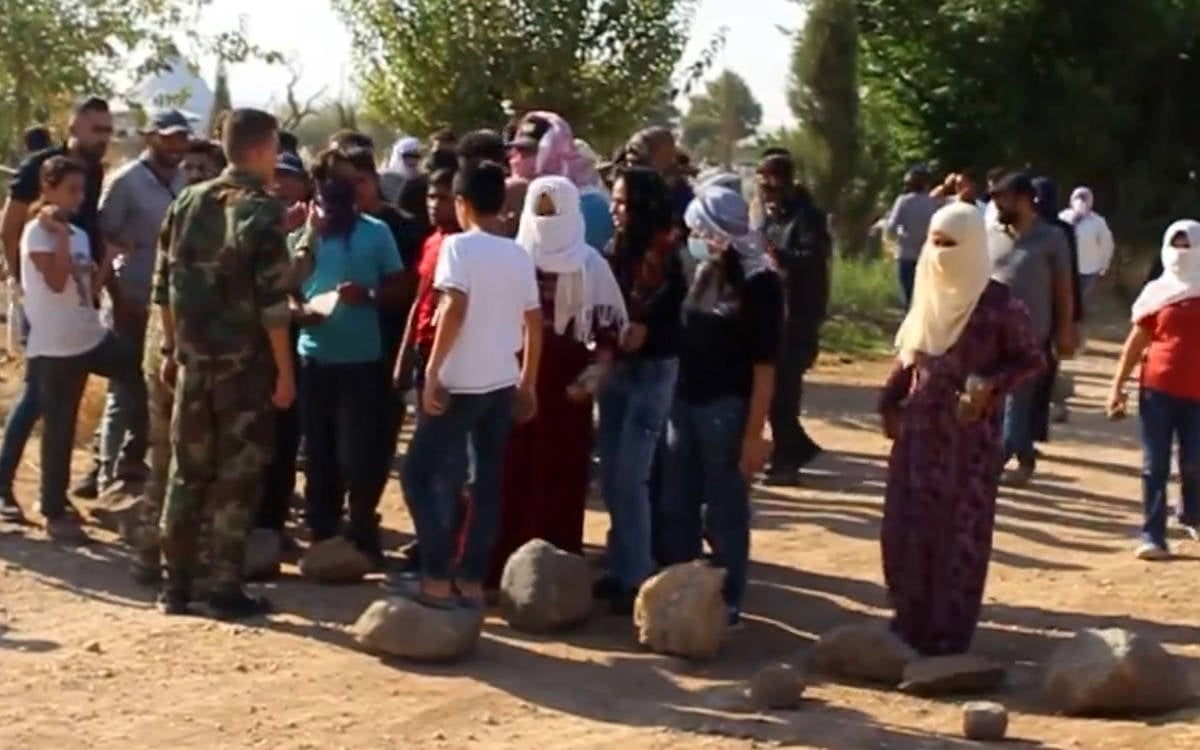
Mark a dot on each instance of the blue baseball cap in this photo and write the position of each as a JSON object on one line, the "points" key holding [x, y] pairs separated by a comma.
{"points": [[291, 164]]}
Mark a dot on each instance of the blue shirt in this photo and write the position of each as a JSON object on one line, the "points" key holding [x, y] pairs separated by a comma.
{"points": [[351, 333], [597, 220]]}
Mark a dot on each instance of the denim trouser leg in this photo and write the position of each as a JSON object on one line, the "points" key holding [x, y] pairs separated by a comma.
{"points": [[1157, 428], [486, 419], [633, 411], [1187, 428], [18, 427], [323, 496], [61, 381], [1018, 424], [705, 446], [123, 428], [906, 273]]}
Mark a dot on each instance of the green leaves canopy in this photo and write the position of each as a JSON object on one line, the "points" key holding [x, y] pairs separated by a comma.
{"points": [[602, 64], [720, 118]]}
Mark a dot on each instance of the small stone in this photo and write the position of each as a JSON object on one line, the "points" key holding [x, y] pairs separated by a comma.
{"points": [[778, 687], [681, 612], [544, 588], [1116, 672], [984, 721], [334, 561], [405, 628], [94, 647], [870, 652], [952, 675]]}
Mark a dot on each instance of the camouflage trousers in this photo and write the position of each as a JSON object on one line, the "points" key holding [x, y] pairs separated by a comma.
{"points": [[221, 441]]}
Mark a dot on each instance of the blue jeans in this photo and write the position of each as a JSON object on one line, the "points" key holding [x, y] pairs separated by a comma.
{"points": [[21, 420], [123, 428], [486, 420], [634, 404], [1164, 419], [1018, 423], [906, 273], [702, 476]]}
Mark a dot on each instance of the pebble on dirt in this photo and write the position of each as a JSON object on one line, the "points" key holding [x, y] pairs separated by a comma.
{"points": [[869, 652], [544, 588], [984, 721], [680, 611], [952, 675], [334, 561], [1116, 672], [777, 687], [402, 627]]}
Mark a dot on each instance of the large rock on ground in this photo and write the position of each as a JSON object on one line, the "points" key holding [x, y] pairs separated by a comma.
{"points": [[681, 612], [334, 561], [778, 687], [984, 721], [1116, 672], [872, 653], [952, 675], [402, 627], [545, 589], [264, 554]]}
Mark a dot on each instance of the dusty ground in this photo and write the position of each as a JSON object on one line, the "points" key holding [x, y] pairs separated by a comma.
{"points": [[86, 662]]}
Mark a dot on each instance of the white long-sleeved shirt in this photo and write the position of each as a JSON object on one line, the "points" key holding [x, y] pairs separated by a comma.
{"points": [[1095, 242]]}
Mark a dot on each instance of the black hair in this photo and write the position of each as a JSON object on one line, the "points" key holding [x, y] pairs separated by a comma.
{"points": [[361, 159], [288, 143], [644, 143], [92, 104], [336, 196], [779, 166], [440, 159], [482, 145], [347, 139], [995, 174], [412, 195], [648, 204], [443, 178], [775, 151], [37, 138], [482, 187], [54, 170], [444, 135]]}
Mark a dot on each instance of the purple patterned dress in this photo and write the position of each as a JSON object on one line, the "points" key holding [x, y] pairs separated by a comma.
{"points": [[943, 476]]}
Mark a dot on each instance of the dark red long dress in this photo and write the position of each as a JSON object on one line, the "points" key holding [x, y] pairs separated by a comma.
{"points": [[547, 462]]}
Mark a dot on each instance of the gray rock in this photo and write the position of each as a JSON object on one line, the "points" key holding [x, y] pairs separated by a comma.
{"points": [[680, 611], [264, 553], [984, 721], [872, 653], [778, 687], [952, 675], [334, 561], [544, 589], [1116, 672], [401, 627]]}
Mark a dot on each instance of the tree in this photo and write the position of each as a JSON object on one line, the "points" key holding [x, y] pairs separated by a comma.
{"points": [[722, 117], [295, 111], [56, 50], [602, 64], [222, 101]]}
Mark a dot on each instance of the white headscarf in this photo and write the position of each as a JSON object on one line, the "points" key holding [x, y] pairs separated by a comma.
{"points": [[590, 180], [1081, 206], [1180, 279], [949, 283], [404, 147], [586, 290], [720, 213]]}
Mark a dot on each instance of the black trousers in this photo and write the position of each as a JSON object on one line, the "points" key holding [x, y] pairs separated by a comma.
{"points": [[793, 447], [279, 485]]}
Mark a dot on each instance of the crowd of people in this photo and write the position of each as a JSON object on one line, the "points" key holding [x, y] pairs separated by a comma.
{"points": [[256, 313]]}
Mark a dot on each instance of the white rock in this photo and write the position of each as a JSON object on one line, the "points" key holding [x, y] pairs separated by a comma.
{"points": [[984, 721], [1116, 672], [681, 612], [401, 627]]}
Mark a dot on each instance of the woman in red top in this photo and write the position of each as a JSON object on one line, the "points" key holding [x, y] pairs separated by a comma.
{"points": [[1165, 338]]}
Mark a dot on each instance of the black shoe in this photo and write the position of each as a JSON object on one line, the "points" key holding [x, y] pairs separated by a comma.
{"points": [[237, 605], [605, 588], [781, 477], [10, 512], [88, 488], [173, 601]]}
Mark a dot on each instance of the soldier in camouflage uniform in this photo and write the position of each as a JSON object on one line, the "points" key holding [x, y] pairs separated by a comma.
{"points": [[222, 286]]}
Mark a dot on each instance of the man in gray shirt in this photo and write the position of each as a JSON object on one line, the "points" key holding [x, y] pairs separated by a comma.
{"points": [[131, 214], [1037, 268], [908, 225]]}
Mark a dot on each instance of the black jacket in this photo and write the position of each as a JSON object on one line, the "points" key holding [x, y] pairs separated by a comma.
{"points": [[799, 242]]}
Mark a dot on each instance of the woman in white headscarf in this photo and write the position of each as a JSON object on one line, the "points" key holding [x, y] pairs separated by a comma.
{"points": [[403, 164], [732, 325], [1093, 238], [965, 343], [1165, 339], [546, 469]]}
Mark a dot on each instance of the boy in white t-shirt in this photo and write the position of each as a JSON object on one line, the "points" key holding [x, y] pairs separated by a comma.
{"points": [[474, 383]]}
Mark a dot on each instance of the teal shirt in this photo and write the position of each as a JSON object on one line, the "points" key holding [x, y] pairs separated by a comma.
{"points": [[597, 220], [351, 334]]}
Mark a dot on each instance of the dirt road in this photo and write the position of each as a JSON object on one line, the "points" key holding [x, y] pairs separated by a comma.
{"points": [[86, 662]]}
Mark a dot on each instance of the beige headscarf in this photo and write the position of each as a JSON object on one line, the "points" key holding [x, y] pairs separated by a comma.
{"points": [[948, 284]]}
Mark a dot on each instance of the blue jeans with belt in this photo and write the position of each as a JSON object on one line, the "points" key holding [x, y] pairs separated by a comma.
{"points": [[634, 404]]}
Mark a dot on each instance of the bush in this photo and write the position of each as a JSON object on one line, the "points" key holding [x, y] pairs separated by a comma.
{"points": [[864, 307]]}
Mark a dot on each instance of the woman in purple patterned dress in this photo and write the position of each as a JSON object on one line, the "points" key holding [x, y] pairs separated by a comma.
{"points": [[965, 343]]}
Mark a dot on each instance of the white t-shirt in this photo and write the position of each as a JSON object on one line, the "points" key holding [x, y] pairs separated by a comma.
{"points": [[66, 323], [500, 281]]}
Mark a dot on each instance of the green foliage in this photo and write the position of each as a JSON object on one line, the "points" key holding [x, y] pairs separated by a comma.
{"points": [[864, 306], [57, 50], [602, 64], [720, 118]]}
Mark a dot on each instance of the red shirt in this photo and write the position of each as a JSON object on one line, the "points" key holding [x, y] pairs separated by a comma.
{"points": [[1172, 361], [427, 296]]}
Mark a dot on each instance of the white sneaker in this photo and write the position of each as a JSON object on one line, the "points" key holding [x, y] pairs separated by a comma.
{"points": [[1193, 532], [1150, 551]]}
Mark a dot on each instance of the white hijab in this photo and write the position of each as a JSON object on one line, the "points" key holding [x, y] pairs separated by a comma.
{"points": [[949, 283], [586, 290], [396, 162], [1180, 279], [1081, 206]]}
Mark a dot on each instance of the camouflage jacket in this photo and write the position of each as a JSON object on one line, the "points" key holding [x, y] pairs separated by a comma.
{"points": [[223, 272]]}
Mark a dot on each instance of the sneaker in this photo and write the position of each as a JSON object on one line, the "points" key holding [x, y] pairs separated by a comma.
{"points": [[10, 512], [173, 602], [1151, 551], [237, 605], [1018, 477], [66, 529], [88, 488]]}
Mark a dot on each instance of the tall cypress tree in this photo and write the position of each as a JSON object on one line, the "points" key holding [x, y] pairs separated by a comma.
{"points": [[222, 101]]}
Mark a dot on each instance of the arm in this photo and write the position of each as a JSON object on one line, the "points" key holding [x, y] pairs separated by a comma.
{"points": [[891, 225], [272, 277], [160, 291], [895, 388], [450, 320], [50, 253], [1064, 265], [532, 349], [1131, 354], [12, 222], [402, 366], [393, 282], [1107, 245]]}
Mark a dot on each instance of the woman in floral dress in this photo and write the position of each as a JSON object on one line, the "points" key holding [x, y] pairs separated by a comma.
{"points": [[964, 344]]}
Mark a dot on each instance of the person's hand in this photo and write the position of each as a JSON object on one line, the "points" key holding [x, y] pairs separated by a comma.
{"points": [[50, 219], [578, 393], [312, 216], [891, 422], [976, 401], [634, 337], [353, 294], [1117, 406], [168, 371], [525, 405], [295, 216], [755, 449], [285, 392], [434, 399]]}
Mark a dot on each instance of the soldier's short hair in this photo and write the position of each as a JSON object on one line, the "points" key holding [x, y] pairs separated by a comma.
{"points": [[245, 129]]}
